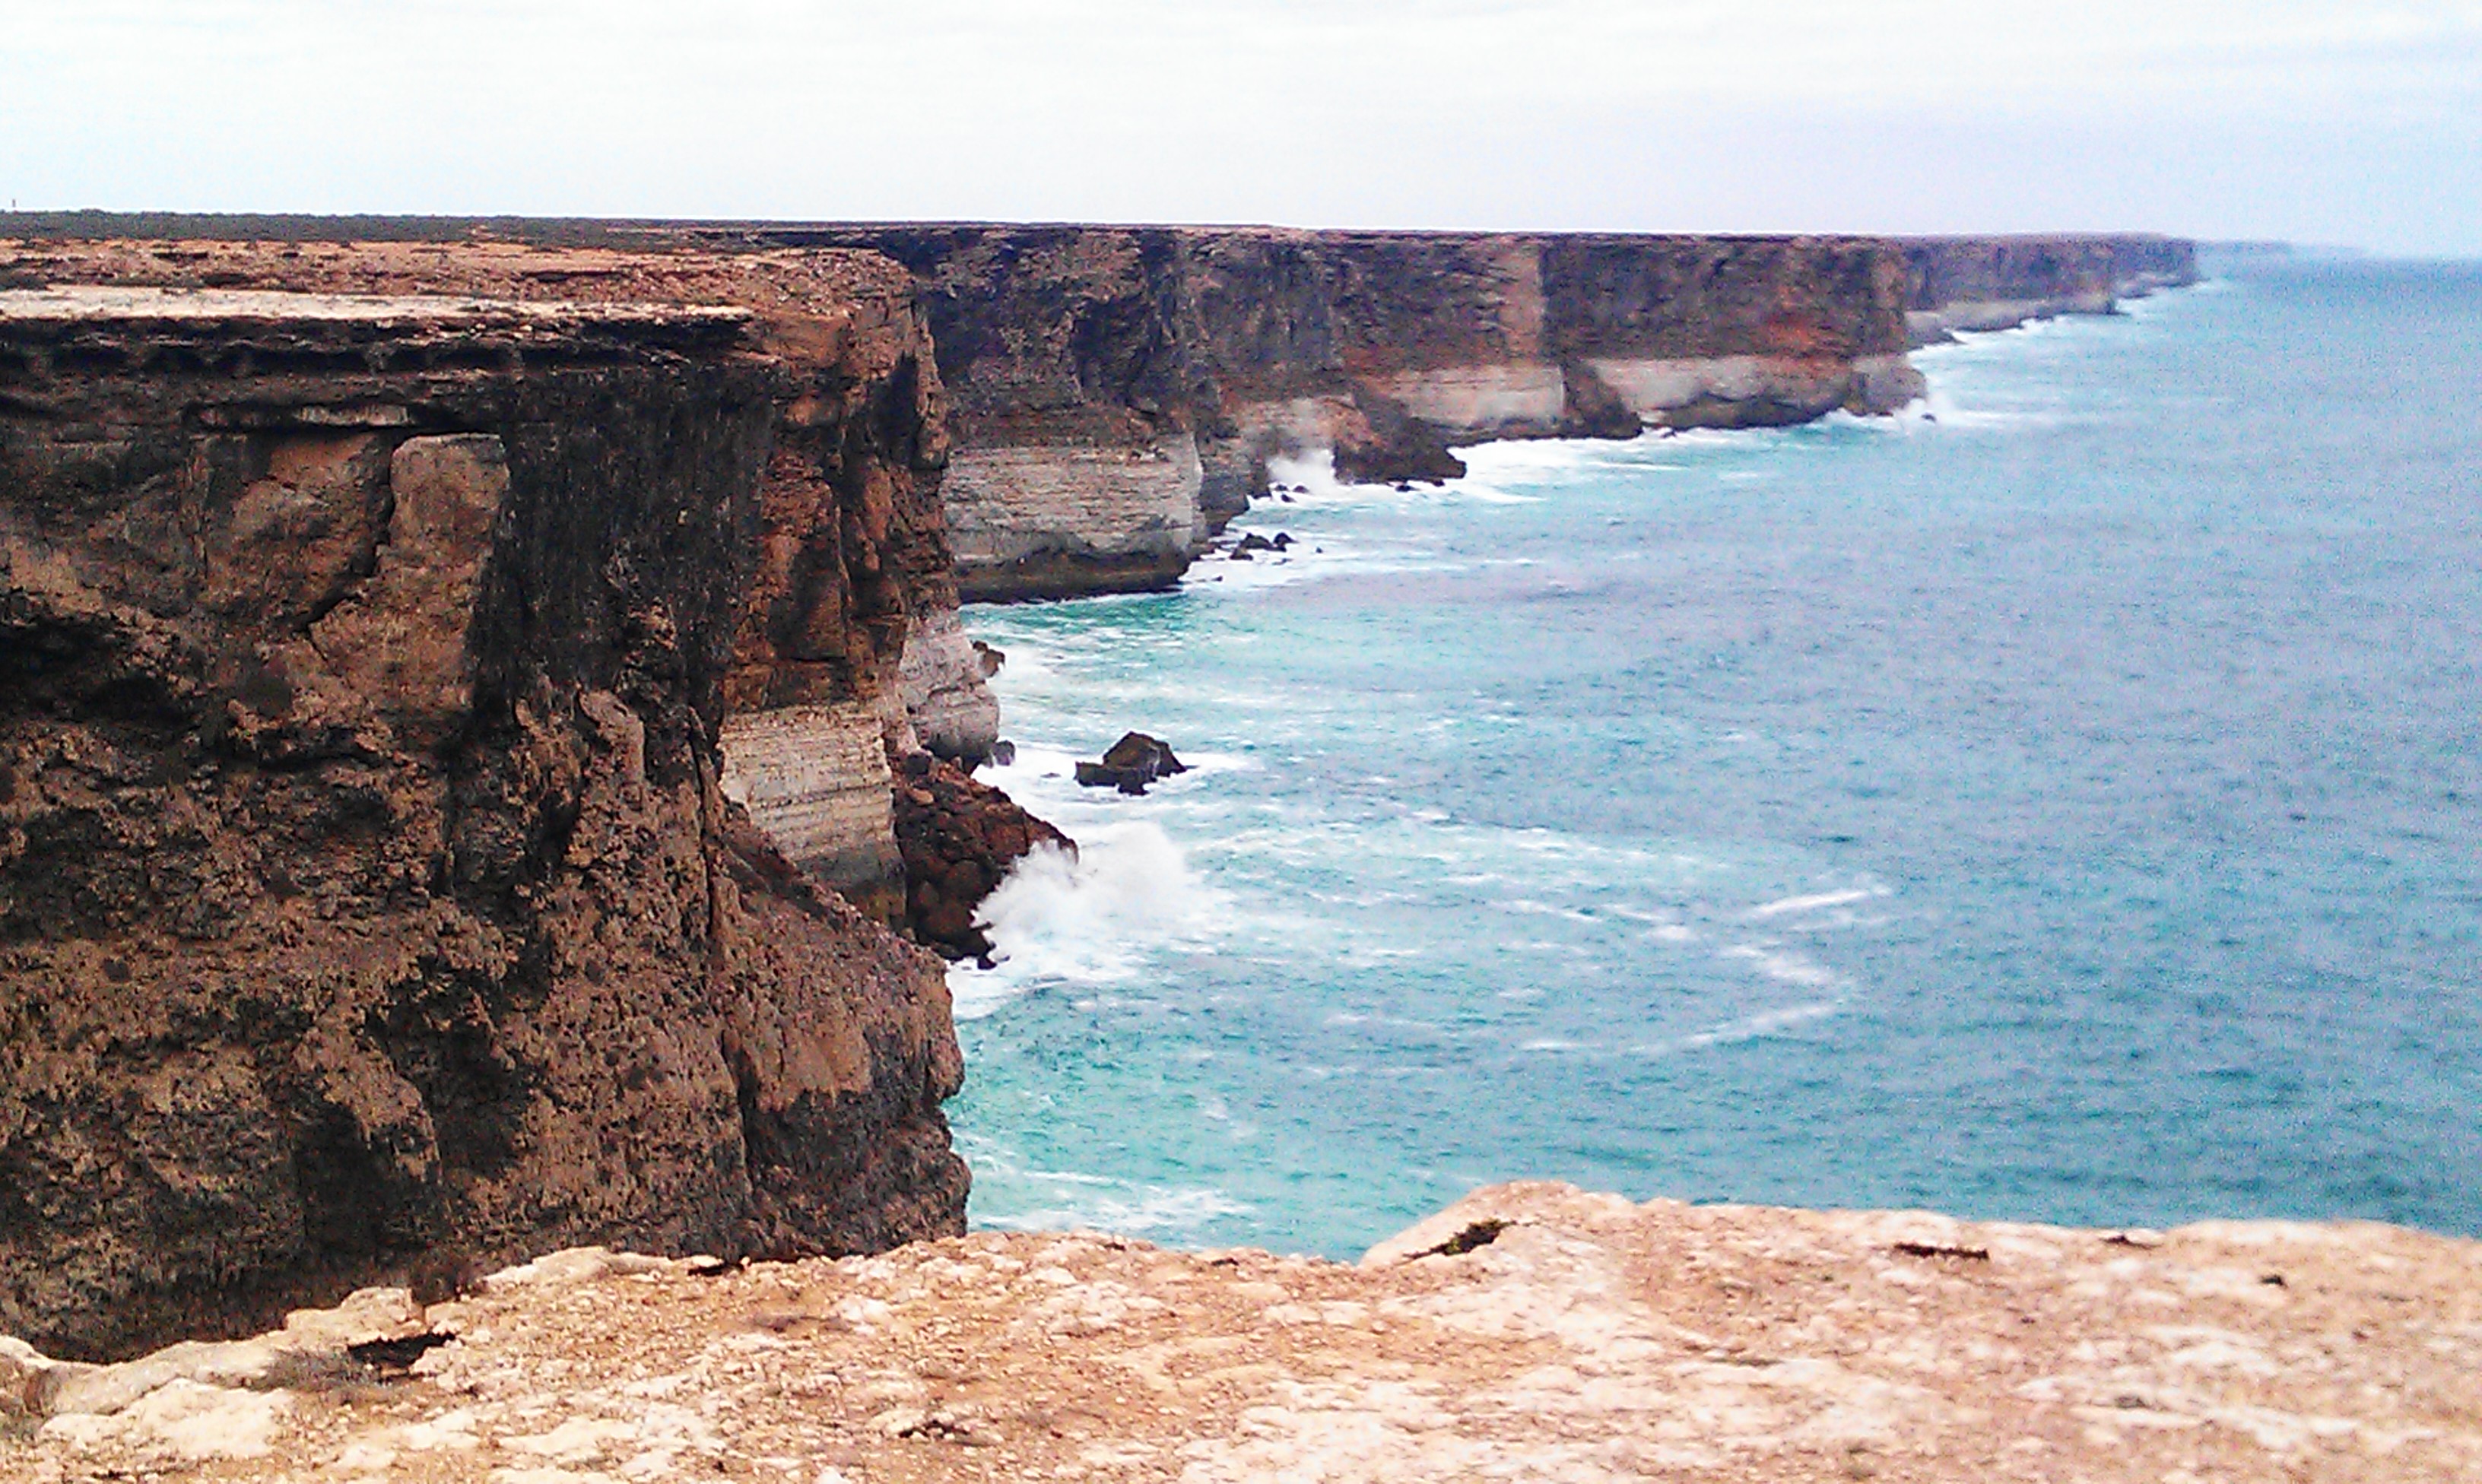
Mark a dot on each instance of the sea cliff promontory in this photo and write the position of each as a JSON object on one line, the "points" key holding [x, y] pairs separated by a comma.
{"points": [[381, 631], [1119, 392], [1982, 283], [1115, 393]]}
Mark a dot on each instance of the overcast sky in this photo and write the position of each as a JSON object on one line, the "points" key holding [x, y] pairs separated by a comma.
{"points": [[2313, 121]]}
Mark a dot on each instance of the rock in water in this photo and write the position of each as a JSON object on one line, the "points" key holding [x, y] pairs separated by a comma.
{"points": [[1132, 762], [1150, 755]]}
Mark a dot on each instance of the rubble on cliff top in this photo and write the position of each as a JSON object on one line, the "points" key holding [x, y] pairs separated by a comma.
{"points": [[1531, 1332]]}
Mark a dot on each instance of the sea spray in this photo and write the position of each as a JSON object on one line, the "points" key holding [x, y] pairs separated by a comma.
{"points": [[1085, 919]]}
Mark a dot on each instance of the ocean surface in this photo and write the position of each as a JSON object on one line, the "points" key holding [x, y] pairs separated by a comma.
{"points": [[2063, 802]]}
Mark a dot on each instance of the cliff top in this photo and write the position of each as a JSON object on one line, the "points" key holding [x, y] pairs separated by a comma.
{"points": [[640, 233], [97, 302], [785, 289], [1530, 1332]]}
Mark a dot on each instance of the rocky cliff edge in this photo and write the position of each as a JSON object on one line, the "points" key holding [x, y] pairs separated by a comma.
{"points": [[1531, 1332], [373, 904], [1983, 283]]}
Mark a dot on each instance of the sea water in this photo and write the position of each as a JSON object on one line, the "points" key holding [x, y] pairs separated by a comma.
{"points": [[2061, 802]]}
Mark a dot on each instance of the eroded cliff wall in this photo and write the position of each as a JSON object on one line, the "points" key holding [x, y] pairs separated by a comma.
{"points": [[371, 901], [1970, 283], [848, 636], [1119, 391]]}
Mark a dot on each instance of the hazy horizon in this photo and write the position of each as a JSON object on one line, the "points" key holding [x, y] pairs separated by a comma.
{"points": [[2316, 124]]}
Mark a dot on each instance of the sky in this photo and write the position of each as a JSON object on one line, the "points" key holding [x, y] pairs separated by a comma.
{"points": [[2354, 124]]}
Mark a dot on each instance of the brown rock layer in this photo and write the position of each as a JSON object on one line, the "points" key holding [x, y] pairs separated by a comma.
{"points": [[958, 838], [369, 906]]}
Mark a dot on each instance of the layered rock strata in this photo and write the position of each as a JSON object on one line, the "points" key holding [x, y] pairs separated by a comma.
{"points": [[1118, 391], [1533, 1332], [1982, 283], [371, 901], [851, 609]]}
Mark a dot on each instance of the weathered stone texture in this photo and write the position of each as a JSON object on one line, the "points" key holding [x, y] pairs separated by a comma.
{"points": [[369, 907], [1532, 1332]]}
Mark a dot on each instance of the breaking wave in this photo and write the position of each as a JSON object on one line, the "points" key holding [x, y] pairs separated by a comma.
{"points": [[1087, 919]]}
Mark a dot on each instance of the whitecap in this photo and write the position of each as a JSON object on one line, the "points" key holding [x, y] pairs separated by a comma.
{"points": [[1814, 901], [1782, 967], [1752, 1027]]}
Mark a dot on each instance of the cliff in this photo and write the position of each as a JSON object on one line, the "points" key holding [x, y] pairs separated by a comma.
{"points": [[1973, 283], [1532, 1332], [373, 902], [1118, 391]]}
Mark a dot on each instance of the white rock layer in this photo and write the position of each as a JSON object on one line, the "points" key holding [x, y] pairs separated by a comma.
{"points": [[946, 688], [1482, 402], [815, 779], [1011, 502]]}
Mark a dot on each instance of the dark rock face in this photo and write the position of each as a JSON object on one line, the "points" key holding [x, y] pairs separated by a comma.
{"points": [[848, 567], [959, 838], [369, 906]]}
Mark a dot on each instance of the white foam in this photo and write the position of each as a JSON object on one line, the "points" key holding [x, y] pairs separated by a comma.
{"points": [[1150, 1208], [1813, 902], [1088, 918], [1528, 906], [1752, 1027]]}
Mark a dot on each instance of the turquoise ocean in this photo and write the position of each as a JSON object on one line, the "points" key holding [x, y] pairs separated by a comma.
{"points": [[2062, 802]]}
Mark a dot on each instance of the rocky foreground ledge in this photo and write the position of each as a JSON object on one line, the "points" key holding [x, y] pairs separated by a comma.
{"points": [[1531, 1332]]}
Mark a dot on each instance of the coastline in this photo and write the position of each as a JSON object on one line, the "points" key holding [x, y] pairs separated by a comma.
{"points": [[1333, 832]]}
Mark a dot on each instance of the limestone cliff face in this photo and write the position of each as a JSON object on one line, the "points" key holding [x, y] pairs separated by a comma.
{"points": [[1971, 283], [1118, 391], [371, 897], [847, 634]]}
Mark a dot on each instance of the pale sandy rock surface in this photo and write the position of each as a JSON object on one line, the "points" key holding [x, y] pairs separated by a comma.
{"points": [[1533, 1332]]}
